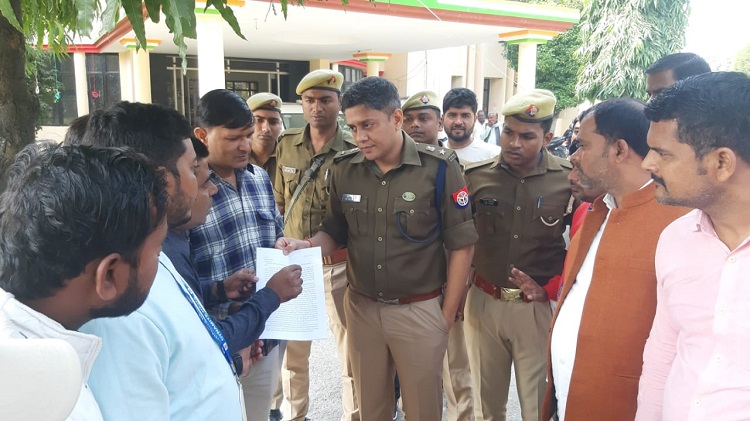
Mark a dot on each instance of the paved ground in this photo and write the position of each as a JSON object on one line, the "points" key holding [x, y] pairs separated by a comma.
{"points": [[325, 385]]}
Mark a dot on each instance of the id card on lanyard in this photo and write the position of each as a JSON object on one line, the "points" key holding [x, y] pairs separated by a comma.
{"points": [[212, 329]]}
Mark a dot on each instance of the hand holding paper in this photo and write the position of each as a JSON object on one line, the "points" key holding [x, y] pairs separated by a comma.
{"points": [[304, 317]]}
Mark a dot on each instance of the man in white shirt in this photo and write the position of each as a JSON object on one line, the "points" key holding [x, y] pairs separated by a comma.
{"points": [[608, 299], [82, 229], [459, 114]]}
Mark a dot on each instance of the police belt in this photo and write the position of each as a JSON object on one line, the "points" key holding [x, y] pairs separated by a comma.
{"points": [[498, 293], [406, 300], [338, 256]]}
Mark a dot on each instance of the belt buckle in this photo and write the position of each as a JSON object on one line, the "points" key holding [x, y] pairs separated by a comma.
{"points": [[510, 294], [395, 301]]}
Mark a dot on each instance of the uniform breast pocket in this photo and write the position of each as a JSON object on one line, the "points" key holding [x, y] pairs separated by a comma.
{"points": [[291, 180], [488, 218], [417, 218], [549, 217], [356, 216]]}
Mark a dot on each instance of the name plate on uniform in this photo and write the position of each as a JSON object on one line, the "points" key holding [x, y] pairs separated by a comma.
{"points": [[290, 170], [356, 198]]}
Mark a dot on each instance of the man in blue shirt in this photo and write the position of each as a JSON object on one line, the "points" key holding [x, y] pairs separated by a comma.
{"points": [[243, 217], [166, 360], [244, 327]]}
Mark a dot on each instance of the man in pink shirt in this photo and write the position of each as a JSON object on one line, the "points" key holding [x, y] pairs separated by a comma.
{"points": [[697, 358]]}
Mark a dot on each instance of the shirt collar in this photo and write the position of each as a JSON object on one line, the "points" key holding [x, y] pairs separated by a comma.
{"points": [[610, 201], [25, 320], [546, 163], [336, 142]]}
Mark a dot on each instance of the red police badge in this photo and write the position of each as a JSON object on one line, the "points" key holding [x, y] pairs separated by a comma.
{"points": [[461, 198]]}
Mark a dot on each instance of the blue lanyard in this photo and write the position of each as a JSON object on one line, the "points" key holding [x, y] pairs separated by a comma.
{"points": [[210, 326]]}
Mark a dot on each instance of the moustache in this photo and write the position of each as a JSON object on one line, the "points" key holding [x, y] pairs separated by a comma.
{"points": [[658, 180]]}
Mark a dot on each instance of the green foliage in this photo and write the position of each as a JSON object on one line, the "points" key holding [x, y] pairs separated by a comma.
{"points": [[742, 60], [42, 81], [621, 38]]}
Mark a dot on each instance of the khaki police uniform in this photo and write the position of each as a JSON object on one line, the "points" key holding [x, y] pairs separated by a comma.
{"points": [[265, 101], [456, 372], [520, 221], [294, 156], [260, 384], [397, 235]]}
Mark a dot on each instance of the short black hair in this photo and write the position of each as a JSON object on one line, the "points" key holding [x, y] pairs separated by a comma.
{"points": [[65, 206], [201, 151], [223, 108], [682, 65], [153, 130], [373, 92], [622, 118], [459, 98], [711, 111], [77, 129]]}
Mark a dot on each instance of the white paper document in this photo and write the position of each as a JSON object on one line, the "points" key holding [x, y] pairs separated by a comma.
{"points": [[302, 318]]}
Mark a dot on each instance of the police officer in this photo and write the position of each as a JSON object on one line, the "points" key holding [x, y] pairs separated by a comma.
{"points": [[422, 122], [266, 108], [521, 200], [403, 211], [303, 169], [422, 118]]}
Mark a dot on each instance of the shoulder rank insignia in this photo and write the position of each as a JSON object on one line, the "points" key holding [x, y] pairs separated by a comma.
{"points": [[346, 153]]}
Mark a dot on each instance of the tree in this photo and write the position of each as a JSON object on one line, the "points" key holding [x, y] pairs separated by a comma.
{"points": [[621, 38], [55, 23], [742, 60], [556, 62]]}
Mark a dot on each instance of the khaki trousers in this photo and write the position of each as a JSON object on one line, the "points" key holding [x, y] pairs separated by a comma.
{"points": [[457, 376], [292, 397], [383, 338], [260, 383], [500, 334]]}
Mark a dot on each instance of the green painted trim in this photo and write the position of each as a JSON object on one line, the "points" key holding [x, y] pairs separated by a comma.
{"points": [[377, 60], [534, 40], [133, 47], [202, 11], [541, 14]]}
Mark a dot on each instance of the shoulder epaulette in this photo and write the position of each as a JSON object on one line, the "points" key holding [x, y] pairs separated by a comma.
{"points": [[474, 165], [439, 152], [344, 154], [292, 131]]}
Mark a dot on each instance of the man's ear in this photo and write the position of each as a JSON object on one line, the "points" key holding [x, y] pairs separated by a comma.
{"points": [[111, 277], [398, 117], [548, 138], [724, 162], [622, 149], [201, 134]]}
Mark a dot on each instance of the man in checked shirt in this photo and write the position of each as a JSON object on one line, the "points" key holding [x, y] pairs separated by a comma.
{"points": [[242, 218]]}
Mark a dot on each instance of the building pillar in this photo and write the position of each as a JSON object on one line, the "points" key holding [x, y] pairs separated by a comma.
{"points": [[320, 64], [527, 41], [126, 76], [526, 66], [135, 70], [373, 61], [141, 76], [82, 84], [209, 27], [479, 74], [470, 66], [510, 84]]}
